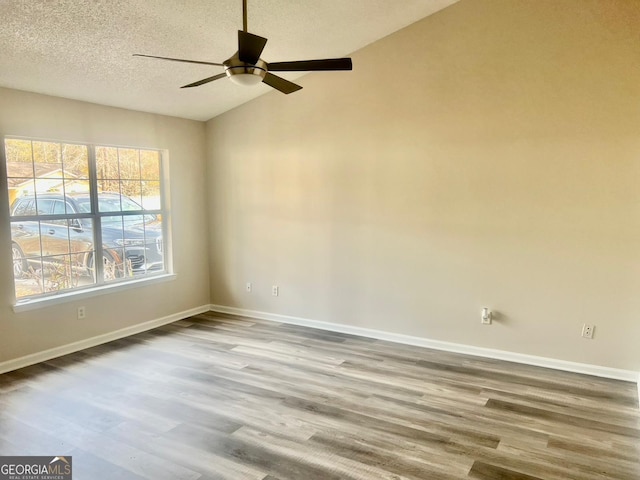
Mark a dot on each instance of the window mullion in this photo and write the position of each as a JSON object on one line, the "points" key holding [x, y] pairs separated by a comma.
{"points": [[98, 262]]}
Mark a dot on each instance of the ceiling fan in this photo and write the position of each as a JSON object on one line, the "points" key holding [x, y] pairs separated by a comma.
{"points": [[246, 67]]}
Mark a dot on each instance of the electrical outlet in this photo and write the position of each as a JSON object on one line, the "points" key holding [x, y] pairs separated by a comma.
{"points": [[248, 287], [486, 317], [274, 290], [587, 330], [82, 313]]}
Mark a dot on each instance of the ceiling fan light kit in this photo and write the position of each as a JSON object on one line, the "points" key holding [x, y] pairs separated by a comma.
{"points": [[242, 73], [246, 67]]}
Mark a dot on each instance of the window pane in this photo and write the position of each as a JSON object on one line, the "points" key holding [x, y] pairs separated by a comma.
{"points": [[151, 195], [109, 202], [57, 273], [72, 185], [28, 287], [82, 250], [62, 207], [114, 202], [47, 185], [47, 153], [107, 163], [109, 186], [154, 252], [133, 192], [81, 235], [59, 207], [75, 160], [19, 186], [44, 206], [55, 237], [114, 266], [19, 168], [23, 207], [26, 235], [47, 164], [128, 204], [140, 239], [28, 282], [17, 152], [112, 244], [129, 164], [112, 230], [26, 254], [82, 204], [150, 164]]}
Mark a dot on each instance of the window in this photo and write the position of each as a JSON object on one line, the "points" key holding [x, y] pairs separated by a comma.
{"points": [[83, 216]]}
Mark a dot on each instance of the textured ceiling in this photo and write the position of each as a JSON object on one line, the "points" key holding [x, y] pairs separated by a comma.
{"points": [[82, 49]]}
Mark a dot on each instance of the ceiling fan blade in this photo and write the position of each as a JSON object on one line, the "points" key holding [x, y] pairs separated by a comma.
{"points": [[250, 47], [279, 83], [205, 80], [312, 65], [179, 60]]}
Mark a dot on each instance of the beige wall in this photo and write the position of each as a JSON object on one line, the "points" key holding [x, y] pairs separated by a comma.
{"points": [[34, 115], [488, 155]]}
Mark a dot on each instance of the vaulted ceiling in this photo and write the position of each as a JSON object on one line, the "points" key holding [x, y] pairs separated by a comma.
{"points": [[82, 49]]}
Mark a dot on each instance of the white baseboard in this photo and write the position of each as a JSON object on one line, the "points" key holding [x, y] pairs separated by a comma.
{"points": [[584, 368], [99, 340]]}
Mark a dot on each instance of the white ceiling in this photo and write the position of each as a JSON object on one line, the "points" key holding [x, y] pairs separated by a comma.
{"points": [[82, 49]]}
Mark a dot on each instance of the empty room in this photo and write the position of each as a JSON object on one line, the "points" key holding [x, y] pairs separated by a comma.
{"points": [[336, 240]]}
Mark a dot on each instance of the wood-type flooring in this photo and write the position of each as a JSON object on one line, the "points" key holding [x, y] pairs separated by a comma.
{"points": [[222, 397]]}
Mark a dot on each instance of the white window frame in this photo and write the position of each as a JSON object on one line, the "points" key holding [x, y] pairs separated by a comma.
{"points": [[101, 286]]}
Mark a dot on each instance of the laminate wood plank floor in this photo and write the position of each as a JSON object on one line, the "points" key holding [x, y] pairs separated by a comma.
{"points": [[222, 397]]}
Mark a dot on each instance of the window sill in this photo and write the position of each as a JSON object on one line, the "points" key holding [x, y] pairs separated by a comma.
{"points": [[37, 303]]}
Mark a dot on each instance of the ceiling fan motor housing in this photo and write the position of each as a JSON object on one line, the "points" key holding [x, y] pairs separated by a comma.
{"points": [[244, 73]]}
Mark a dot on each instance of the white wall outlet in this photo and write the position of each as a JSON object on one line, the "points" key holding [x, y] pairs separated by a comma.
{"points": [[248, 287], [486, 317], [587, 330], [274, 290], [82, 313]]}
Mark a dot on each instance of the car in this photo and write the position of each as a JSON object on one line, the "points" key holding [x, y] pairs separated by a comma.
{"points": [[131, 244]]}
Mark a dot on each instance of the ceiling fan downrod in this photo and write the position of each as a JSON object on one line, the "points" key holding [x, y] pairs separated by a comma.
{"points": [[244, 15]]}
